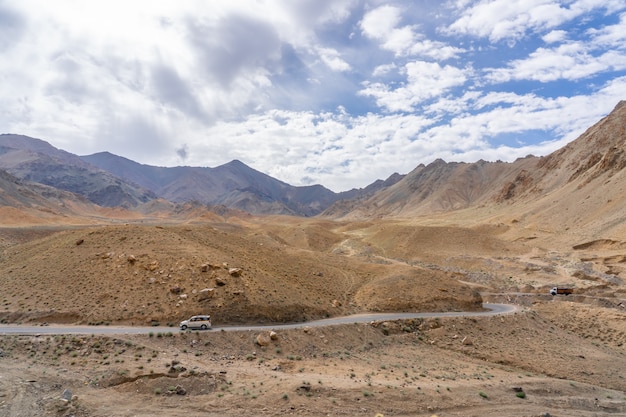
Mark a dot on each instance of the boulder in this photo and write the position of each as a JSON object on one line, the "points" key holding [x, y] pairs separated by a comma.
{"points": [[262, 339], [206, 294], [235, 272]]}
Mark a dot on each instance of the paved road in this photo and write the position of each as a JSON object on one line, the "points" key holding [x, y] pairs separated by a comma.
{"points": [[491, 310]]}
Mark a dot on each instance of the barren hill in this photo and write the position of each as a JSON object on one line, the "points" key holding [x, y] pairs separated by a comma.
{"points": [[139, 274]]}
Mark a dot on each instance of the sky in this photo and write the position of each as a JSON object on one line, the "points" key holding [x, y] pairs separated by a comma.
{"points": [[332, 92]]}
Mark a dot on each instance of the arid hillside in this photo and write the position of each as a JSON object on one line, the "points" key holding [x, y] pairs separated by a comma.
{"points": [[580, 188], [557, 356], [150, 273]]}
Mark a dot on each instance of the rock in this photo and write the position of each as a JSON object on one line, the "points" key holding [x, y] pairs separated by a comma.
{"points": [[467, 341], [80, 242], [205, 294], [152, 266], [307, 329], [67, 395], [176, 289], [273, 335], [262, 339], [235, 272], [220, 281], [336, 303], [131, 259]]}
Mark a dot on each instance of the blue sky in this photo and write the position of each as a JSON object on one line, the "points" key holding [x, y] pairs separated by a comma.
{"points": [[331, 92]]}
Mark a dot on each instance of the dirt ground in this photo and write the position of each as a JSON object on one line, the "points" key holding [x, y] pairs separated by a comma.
{"points": [[556, 356]]}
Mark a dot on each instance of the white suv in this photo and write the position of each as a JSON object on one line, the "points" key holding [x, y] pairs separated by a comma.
{"points": [[196, 322]]}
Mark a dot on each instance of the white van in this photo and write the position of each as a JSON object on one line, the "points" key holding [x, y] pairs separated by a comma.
{"points": [[196, 322]]}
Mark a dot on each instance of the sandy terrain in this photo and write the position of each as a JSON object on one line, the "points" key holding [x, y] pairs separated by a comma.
{"points": [[557, 356]]}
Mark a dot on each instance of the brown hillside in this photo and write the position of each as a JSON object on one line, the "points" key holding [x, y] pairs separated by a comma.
{"points": [[140, 274]]}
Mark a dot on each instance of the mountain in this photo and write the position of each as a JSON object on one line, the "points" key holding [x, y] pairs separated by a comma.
{"points": [[234, 185], [23, 203], [581, 185], [37, 161], [113, 181]]}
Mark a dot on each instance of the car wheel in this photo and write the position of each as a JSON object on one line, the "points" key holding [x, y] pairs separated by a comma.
{"points": [[183, 327], [203, 327]]}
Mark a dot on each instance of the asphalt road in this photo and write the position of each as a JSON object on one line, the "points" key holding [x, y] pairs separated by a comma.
{"points": [[54, 329]]}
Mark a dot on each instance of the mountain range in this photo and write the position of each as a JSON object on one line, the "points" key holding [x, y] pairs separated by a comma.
{"points": [[588, 171], [113, 181]]}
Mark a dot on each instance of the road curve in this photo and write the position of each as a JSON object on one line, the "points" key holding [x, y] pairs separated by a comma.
{"points": [[55, 329]]}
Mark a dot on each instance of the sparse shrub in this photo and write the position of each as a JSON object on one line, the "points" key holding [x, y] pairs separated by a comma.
{"points": [[483, 394], [520, 394]]}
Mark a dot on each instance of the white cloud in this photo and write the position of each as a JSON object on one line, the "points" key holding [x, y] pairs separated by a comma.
{"points": [[514, 19], [425, 80], [611, 35], [570, 61], [333, 60], [382, 24], [554, 36], [384, 69]]}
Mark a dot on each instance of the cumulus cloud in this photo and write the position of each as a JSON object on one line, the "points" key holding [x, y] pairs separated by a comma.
{"points": [[337, 92], [514, 19], [425, 80], [383, 24]]}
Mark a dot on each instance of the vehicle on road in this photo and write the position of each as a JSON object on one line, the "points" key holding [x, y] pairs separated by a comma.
{"points": [[202, 322], [561, 291]]}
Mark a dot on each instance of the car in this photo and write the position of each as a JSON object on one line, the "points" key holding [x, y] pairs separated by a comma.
{"points": [[202, 322]]}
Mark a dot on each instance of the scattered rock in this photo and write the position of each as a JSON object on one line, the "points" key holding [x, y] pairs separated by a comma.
{"points": [[176, 289], [205, 294], [467, 341], [263, 339], [67, 395], [235, 272]]}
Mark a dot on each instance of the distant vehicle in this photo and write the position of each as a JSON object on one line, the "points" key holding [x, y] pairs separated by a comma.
{"points": [[561, 291], [196, 322]]}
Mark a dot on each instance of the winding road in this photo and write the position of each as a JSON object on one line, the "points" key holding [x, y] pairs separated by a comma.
{"points": [[55, 329]]}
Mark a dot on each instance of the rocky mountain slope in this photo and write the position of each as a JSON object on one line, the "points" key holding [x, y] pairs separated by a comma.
{"points": [[23, 202], [233, 185], [582, 185], [37, 161], [113, 181]]}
